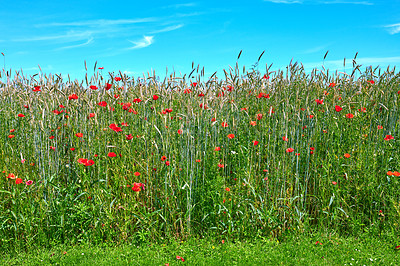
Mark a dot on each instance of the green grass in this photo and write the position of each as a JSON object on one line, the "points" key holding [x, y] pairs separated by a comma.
{"points": [[300, 250]]}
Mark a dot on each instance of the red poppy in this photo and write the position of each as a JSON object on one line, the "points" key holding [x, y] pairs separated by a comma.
{"points": [[187, 91], [395, 173], [137, 174], [155, 97], [217, 149], [163, 158], [349, 115], [116, 96], [312, 148], [73, 97], [137, 100], [289, 150], [129, 137], [29, 182], [115, 127], [53, 148], [18, 181], [101, 68], [259, 116], [72, 149], [319, 101], [285, 138], [334, 182], [26, 106], [179, 131], [11, 176], [389, 137], [316, 243], [89, 163], [255, 142], [263, 95], [362, 110], [167, 163], [227, 189], [11, 136], [224, 124], [380, 127], [389, 173], [51, 137], [137, 187], [231, 136], [194, 84], [265, 76], [91, 115], [201, 94], [397, 247], [112, 154], [108, 86], [82, 161], [117, 78], [371, 82], [93, 87], [338, 108], [102, 103], [36, 88], [347, 155], [79, 135], [332, 85], [21, 115], [198, 160], [253, 123], [220, 165]]}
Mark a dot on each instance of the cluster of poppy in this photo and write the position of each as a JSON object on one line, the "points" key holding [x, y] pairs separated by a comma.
{"points": [[19, 180], [85, 162], [395, 173]]}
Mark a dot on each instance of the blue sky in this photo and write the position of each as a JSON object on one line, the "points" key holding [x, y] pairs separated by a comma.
{"points": [[139, 36]]}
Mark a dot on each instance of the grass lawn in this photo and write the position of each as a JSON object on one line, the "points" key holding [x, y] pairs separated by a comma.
{"points": [[305, 250]]}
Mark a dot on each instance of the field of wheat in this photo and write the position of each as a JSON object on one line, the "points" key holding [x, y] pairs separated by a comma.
{"points": [[245, 153]]}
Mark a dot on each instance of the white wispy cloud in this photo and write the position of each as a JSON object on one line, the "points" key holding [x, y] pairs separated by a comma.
{"points": [[36, 68], [99, 22], [146, 41], [364, 61], [393, 28], [315, 49], [320, 2], [284, 1], [181, 5], [70, 36], [170, 28], [89, 41], [348, 2]]}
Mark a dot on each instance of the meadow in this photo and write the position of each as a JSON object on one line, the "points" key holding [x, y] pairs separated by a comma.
{"points": [[245, 154]]}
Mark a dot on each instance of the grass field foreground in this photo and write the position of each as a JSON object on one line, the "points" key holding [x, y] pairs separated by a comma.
{"points": [[304, 250]]}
